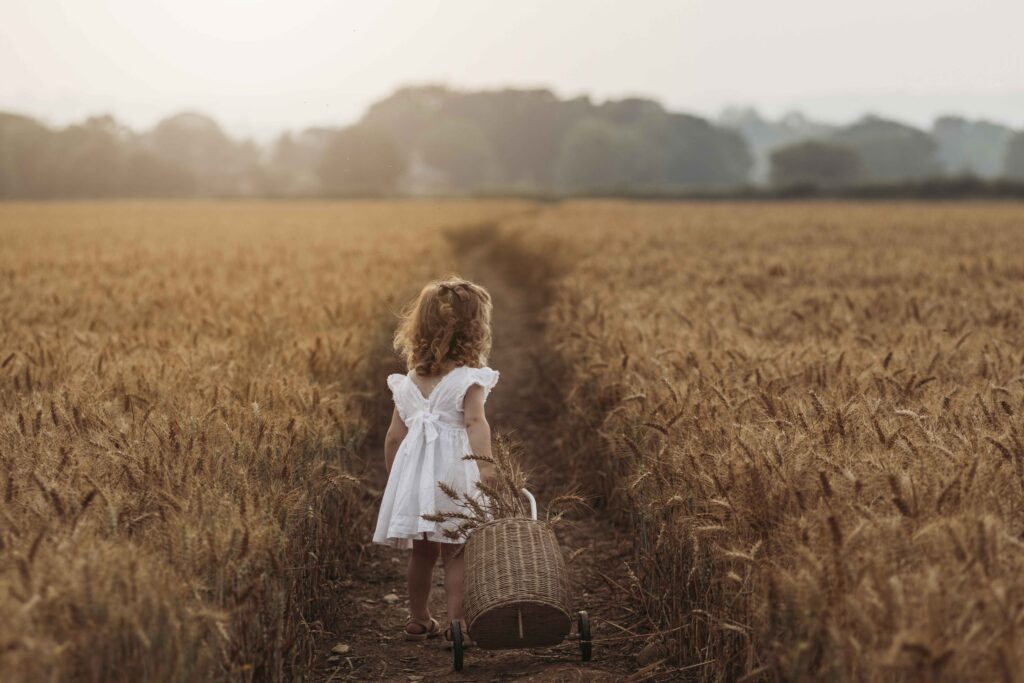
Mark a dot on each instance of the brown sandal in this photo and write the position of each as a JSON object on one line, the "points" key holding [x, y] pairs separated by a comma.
{"points": [[431, 629]]}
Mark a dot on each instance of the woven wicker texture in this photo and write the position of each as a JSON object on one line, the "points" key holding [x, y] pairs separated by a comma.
{"points": [[517, 588]]}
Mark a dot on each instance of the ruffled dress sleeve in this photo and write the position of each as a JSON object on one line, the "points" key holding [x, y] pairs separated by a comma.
{"points": [[484, 377], [395, 384]]}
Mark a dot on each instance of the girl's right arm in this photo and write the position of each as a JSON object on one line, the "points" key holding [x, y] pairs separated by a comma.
{"points": [[396, 433]]}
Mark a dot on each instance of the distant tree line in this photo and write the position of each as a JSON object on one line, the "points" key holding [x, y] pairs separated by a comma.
{"points": [[875, 151], [434, 141], [97, 158], [184, 156]]}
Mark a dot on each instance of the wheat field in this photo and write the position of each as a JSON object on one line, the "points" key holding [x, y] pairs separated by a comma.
{"points": [[810, 414], [183, 394], [806, 415]]}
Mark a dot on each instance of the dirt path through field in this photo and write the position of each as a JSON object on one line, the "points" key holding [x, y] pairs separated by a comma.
{"points": [[525, 405]]}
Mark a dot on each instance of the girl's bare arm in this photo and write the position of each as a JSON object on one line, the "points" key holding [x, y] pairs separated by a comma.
{"points": [[396, 432], [478, 429]]}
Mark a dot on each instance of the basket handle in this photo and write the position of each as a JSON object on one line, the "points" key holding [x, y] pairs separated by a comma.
{"points": [[533, 503]]}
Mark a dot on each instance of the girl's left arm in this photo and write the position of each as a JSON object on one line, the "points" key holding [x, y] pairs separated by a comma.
{"points": [[396, 433], [479, 430]]}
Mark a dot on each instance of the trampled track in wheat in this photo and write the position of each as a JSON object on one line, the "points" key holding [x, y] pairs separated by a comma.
{"points": [[526, 407]]}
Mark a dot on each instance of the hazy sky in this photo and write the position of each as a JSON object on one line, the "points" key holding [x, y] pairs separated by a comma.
{"points": [[259, 66]]}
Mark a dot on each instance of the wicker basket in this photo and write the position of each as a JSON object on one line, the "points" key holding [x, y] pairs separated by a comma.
{"points": [[517, 588]]}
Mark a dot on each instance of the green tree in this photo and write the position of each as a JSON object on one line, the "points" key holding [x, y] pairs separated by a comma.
{"points": [[85, 160], [972, 147], [595, 156], [704, 155], [764, 134], [890, 151], [146, 175], [815, 162], [196, 142], [361, 160], [460, 149], [23, 145], [1014, 165]]}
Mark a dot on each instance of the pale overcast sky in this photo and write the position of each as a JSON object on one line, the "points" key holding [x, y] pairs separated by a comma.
{"points": [[260, 66]]}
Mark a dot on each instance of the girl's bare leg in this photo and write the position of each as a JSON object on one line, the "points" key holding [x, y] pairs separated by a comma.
{"points": [[454, 578], [419, 577]]}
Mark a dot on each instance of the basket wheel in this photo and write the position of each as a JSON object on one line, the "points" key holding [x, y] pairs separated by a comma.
{"points": [[457, 645], [583, 628]]}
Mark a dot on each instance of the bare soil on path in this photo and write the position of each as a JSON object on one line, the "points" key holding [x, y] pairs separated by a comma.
{"points": [[369, 644]]}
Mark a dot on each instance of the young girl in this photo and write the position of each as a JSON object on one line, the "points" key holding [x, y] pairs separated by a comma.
{"points": [[445, 337]]}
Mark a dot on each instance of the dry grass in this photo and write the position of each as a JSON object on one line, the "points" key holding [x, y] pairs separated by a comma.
{"points": [[183, 394], [811, 415]]}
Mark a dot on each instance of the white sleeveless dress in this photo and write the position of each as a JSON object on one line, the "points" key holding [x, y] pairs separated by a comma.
{"points": [[432, 451]]}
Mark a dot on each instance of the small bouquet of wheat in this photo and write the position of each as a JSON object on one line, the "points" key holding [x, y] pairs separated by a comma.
{"points": [[501, 497]]}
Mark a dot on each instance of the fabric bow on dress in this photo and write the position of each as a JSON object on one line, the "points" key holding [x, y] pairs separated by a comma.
{"points": [[427, 422]]}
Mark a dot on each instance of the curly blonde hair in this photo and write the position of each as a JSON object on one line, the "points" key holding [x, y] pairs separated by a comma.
{"points": [[448, 324]]}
